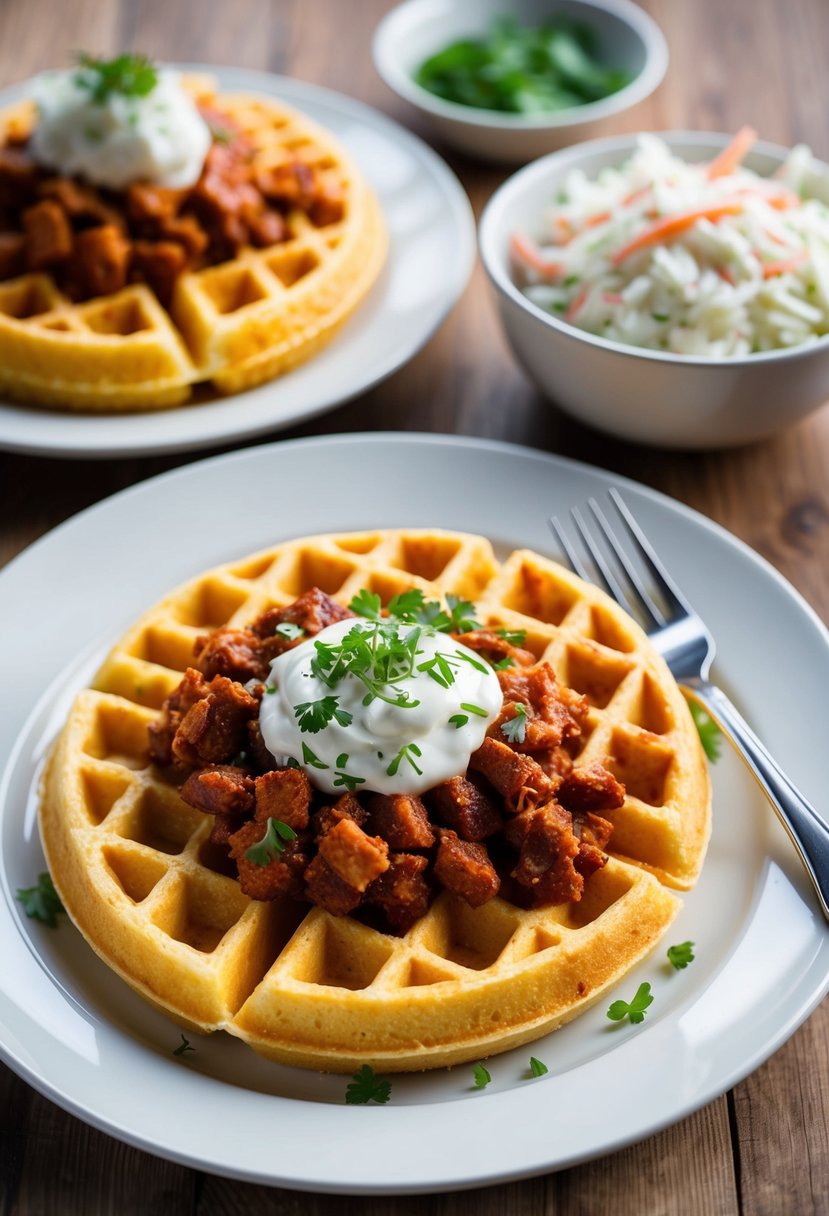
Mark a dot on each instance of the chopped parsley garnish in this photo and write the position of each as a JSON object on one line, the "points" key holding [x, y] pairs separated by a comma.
{"points": [[129, 75], [537, 1068], [458, 720], [681, 955], [636, 1009], [661, 317], [314, 716], [482, 1076], [347, 782], [709, 733], [504, 664], [272, 845], [513, 637], [183, 1047], [365, 1087], [515, 728], [309, 757], [474, 709], [411, 608], [289, 631], [407, 752], [42, 902]]}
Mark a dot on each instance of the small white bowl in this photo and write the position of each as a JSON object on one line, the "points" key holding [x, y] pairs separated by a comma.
{"points": [[627, 38], [652, 397]]}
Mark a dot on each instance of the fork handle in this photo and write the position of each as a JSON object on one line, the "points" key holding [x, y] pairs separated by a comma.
{"points": [[809, 832]]}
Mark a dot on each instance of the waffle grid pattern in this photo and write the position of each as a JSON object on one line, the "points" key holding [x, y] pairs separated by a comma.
{"points": [[138, 874], [234, 325]]}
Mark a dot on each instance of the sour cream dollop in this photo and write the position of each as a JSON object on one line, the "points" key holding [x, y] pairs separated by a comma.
{"points": [[392, 749], [159, 138]]}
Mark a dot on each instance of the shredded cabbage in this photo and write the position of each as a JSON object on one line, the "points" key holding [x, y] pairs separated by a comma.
{"points": [[751, 275]]}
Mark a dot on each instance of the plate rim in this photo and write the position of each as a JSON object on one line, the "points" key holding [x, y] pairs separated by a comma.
{"points": [[496, 1103]]}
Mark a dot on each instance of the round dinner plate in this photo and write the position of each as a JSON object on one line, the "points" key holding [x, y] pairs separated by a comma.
{"points": [[78, 1034], [431, 253]]}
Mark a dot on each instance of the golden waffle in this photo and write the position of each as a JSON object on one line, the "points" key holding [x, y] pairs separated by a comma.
{"points": [[130, 861], [230, 326]]}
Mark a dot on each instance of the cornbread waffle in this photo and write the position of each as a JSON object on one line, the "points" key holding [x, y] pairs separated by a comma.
{"points": [[134, 867], [230, 326]]}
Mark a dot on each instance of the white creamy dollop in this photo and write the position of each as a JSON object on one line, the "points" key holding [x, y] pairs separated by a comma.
{"points": [[159, 138], [380, 736]]}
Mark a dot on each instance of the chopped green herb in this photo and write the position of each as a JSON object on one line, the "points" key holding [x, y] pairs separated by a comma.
{"points": [[183, 1047], [662, 317], [474, 709], [347, 782], [221, 134], [519, 70], [515, 728], [636, 1009], [681, 955], [407, 752], [709, 733], [364, 1087], [309, 757], [42, 902], [314, 716], [290, 631], [129, 75], [272, 845], [571, 280], [366, 603], [458, 720], [514, 637], [342, 760], [504, 664], [537, 1068], [270, 689], [482, 1076]]}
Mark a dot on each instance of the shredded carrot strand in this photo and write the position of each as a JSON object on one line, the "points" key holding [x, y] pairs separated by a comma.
{"points": [[770, 269], [732, 155], [527, 253], [576, 305], [672, 225]]}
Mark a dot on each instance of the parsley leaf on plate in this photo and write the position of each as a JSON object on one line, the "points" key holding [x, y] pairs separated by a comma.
{"points": [[482, 1076], [636, 1009], [364, 1087], [41, 902], [681, 955], [709, 733]]}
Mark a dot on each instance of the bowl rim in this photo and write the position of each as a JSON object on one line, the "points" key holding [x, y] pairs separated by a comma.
{"points": [[498, 274], [386, 62]]}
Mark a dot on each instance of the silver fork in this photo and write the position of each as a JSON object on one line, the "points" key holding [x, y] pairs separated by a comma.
{"points": [[685, 643]]}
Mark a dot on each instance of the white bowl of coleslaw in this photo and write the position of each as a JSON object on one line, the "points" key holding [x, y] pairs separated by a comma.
{"points": [[670, 289]]}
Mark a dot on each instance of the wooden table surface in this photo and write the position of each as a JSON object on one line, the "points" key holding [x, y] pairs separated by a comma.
{"points": [[764, 1147]]}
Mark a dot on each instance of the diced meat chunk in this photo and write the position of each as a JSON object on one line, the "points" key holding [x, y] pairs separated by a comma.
{"points": [[152, 204], [158, 264], [101, 260], [546, 860], [214, 729], [48, 234], [221, 789], [354, 857], [12, 254], [519, 779], [402, 820], [402, 891], [464, 808], [312, 611], [591, 788], [282, 875], [464, 867], [235, 653], [495, 647], [347, 806], [553, 712], [328, 891], [284, 794]]}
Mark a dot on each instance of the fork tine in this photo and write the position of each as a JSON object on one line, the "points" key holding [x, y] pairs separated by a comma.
{"points": [[668, 589], [646, 600], [606, 574], [576, 564]]}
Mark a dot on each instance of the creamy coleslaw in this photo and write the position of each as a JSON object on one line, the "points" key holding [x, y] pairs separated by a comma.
{"points": [[707, 259]]}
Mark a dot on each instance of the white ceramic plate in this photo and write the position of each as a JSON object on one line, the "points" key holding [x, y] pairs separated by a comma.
{"points": [[432, 250], [74, 1031]]}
